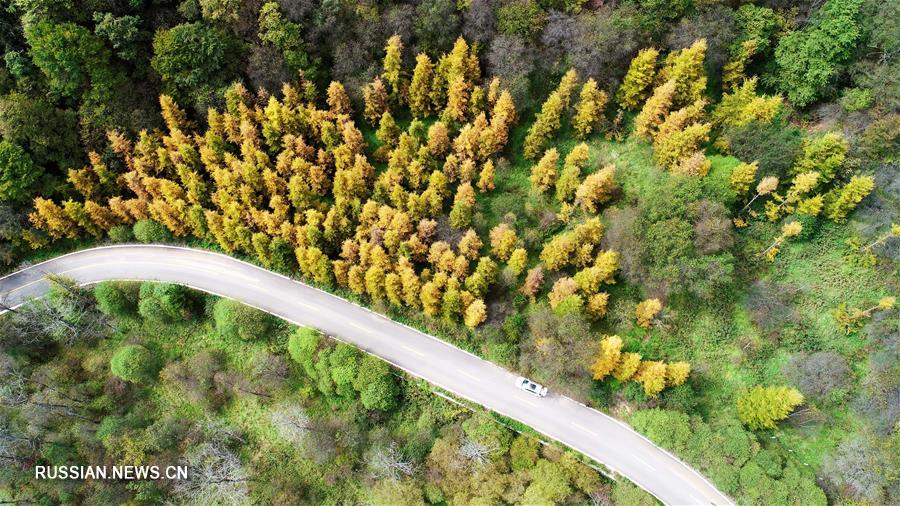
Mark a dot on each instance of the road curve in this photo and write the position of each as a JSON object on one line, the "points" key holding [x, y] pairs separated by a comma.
{"points": [[586, 430]]}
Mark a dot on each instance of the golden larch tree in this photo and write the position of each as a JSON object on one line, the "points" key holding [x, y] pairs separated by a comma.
{"points": [[638, 80]]}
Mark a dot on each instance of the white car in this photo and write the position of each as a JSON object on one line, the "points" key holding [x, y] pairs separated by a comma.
{"points": [[531, 387]]}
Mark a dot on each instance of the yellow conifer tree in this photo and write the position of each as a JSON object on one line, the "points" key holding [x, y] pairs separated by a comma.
{"points": [[654, 111], [375, 97], [543, 174], [610, 353], [628, 366], [646, 311], [392, 65], [685, 67], [636, 85], [596, 189], [742, 177], [338, 100], [486, 177], [420, 87], [589, 111], [677, 373], [652, 375]]}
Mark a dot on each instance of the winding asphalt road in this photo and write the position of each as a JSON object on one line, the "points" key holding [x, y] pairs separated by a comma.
{"points": [[588, 431]]}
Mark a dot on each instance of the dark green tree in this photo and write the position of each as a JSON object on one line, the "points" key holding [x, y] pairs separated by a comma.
{"points": [[287, 37], [196, 60], [122, 32], [435, 25], [810, 60], [69, 55], [18, 173], [49, 134]]}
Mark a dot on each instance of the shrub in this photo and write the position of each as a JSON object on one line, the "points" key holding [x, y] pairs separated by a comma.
{"points": [[762, 407], [681, 398], [881, 139], [856, 99], [110, 425], [133, 363], [771, 306], [121, 233], [149, 231], [670, 429], [236, 320], [166, 302], [302, 346], [523, 453], [376, 386], [514, 326], [775, 145], [523, 18], [117, 298], [634, 393]]}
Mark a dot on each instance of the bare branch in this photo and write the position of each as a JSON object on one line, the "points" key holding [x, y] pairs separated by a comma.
{"points": [[389, 463], [476, 451], [215, 476]]}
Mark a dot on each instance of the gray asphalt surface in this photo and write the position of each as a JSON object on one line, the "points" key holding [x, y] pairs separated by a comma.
{"points": [[586, 430]]}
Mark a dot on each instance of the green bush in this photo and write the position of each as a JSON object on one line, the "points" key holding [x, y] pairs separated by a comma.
{"points": [[302, 346], [236, 320], [121, 233], [166, 302], [283, 258], [133, 363], [856, 99], [523, 18], [634, 392], [117, 298], [514, 326], [109, 426], [149, 231], [376, 385], [523, 453], [18, 174], [488, 433], [774, 144], [811, 226], [502, 353], [344, 365], [680, 398], [881, 139]]}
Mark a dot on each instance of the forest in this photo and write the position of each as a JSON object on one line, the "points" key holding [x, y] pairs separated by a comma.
{"points": [[683, 213], [258, 411]]}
